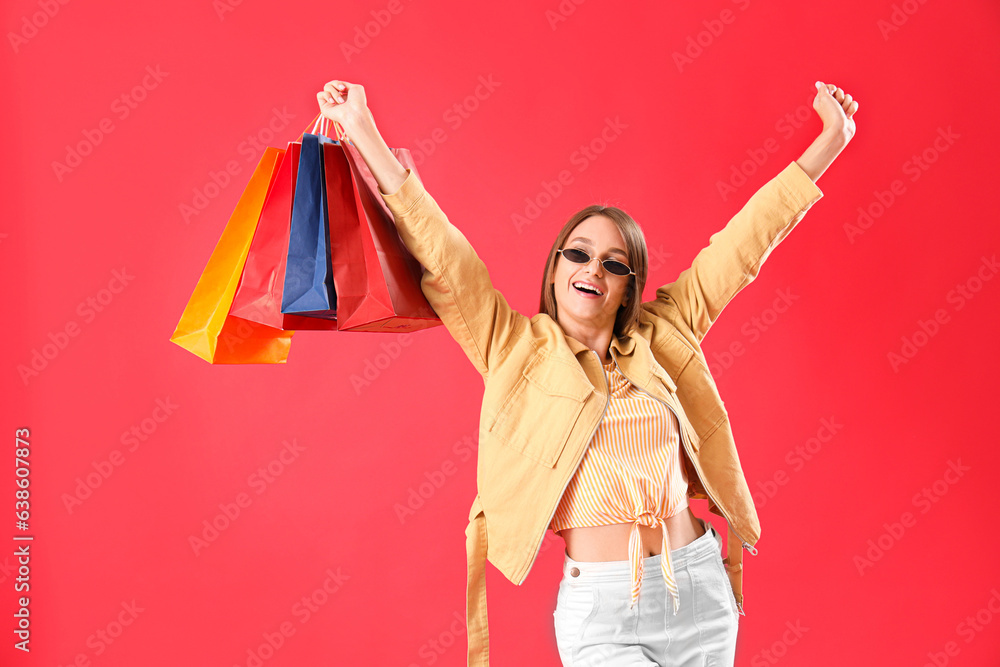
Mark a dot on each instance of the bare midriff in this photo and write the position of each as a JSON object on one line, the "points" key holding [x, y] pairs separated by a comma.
{"points": [[608, 543]]}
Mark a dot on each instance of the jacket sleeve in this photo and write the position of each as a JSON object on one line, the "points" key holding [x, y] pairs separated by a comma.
{"points": [[455, 281], [734, 255]]}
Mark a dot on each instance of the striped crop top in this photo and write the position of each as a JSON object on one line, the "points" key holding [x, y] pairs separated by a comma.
{"points": [[630, 473]]}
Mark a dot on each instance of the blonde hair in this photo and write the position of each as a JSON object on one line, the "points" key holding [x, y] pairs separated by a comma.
{"points": [[638, 260]]}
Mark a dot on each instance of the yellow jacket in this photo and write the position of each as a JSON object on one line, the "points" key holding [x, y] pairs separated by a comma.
{"points": [[545, 392]]}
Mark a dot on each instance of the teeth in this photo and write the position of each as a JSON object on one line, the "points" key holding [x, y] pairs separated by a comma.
{"points": [[588, 288]]}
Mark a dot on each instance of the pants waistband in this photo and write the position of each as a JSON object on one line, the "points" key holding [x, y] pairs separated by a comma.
{"points": [[705, 546]]}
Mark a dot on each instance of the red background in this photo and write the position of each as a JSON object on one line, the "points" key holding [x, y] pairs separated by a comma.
{"points": [[401, 598]]}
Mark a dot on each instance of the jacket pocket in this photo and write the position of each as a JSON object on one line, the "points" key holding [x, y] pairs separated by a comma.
{"points": [[541, 409], [664, 377]]}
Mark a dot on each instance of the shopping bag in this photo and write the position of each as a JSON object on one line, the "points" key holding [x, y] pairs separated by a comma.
{"points": [[376, 278], [308, 287], [258, 297], [206, 328]]}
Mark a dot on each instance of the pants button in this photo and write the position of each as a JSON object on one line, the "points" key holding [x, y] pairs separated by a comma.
{"points": [[575, 572]]}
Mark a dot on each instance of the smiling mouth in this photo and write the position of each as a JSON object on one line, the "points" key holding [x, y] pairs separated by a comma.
{"points": [[586, 290]]}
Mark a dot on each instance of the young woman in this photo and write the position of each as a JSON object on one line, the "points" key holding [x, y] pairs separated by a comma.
{"points": [[600, 417]]}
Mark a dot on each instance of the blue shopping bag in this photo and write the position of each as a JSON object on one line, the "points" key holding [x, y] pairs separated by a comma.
{"points": [[309, 288]]}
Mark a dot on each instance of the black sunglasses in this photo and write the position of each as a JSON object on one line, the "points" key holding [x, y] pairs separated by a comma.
{"points": [[578, 256]]}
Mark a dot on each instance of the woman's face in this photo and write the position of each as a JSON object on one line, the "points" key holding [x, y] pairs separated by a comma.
{"points": [[598, 237]]}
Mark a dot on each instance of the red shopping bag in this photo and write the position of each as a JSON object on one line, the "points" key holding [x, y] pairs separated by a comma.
{"points": [[258, 297], [377, 280]]}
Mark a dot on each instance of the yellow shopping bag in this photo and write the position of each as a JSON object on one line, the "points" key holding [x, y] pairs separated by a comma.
{"points": [[206, 328]]}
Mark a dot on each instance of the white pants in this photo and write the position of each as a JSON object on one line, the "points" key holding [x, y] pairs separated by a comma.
{"points": [[595, 627]]}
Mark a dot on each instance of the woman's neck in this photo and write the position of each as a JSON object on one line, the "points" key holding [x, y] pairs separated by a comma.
{"points": [[599, 341]]}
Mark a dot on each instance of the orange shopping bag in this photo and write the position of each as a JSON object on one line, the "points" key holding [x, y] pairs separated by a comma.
{"points": [[206, 328]]}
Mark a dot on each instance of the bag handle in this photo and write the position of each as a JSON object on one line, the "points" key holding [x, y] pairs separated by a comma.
{"points": [[322, 124]]}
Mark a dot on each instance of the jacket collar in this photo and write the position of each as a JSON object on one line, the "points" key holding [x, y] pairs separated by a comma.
{"points": [[622, 348]]}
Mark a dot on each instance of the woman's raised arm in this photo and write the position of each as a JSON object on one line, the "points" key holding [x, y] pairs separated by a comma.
{"points": [[455, 280], [836, 109], [347, 104], [734, 255]]}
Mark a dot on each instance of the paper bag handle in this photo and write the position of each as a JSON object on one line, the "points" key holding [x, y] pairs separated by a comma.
{"points": [[322, 124]]}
